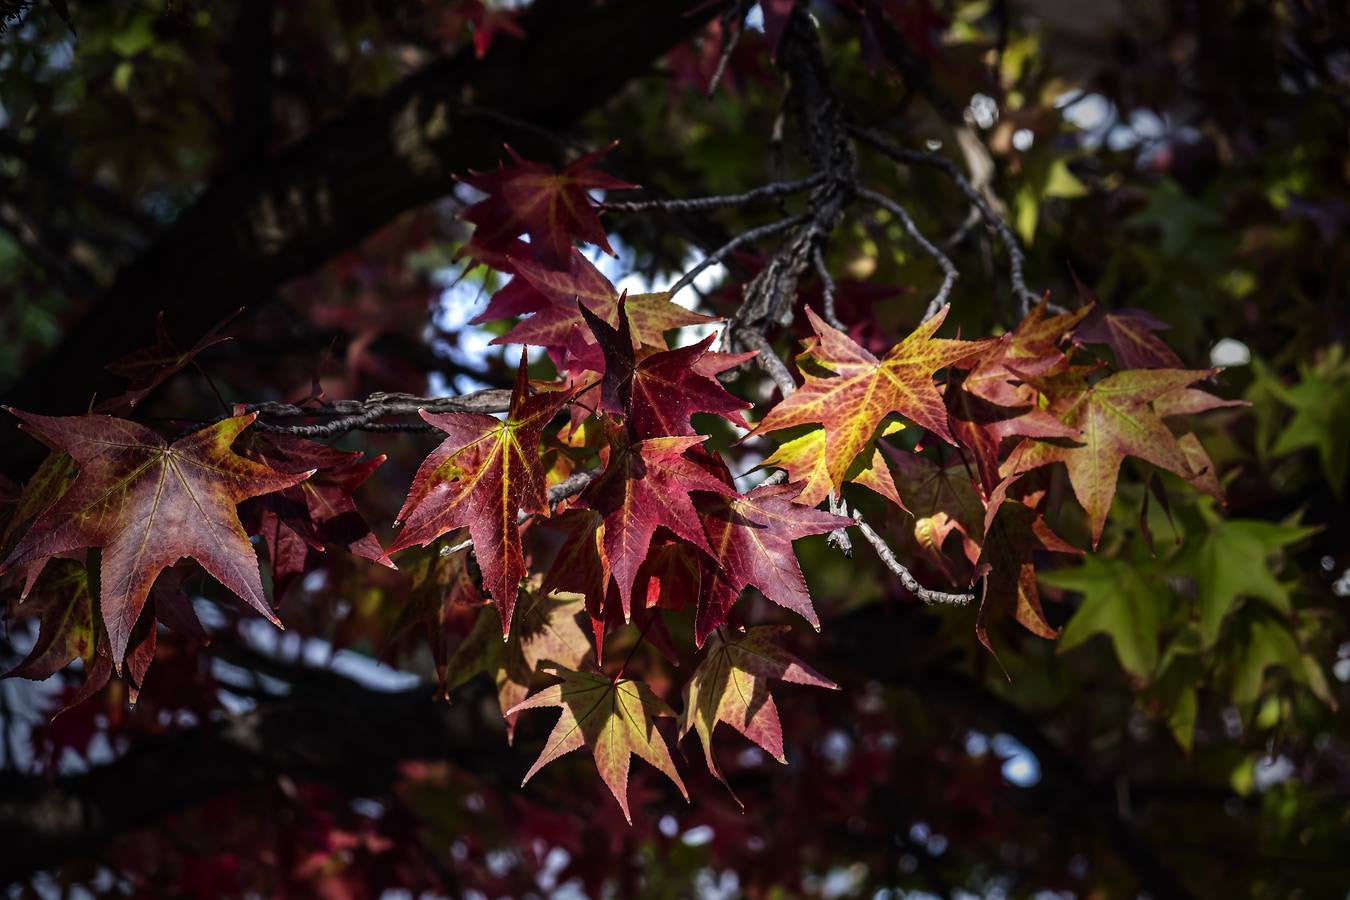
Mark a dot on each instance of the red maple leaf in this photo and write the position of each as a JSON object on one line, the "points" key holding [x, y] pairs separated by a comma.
{"points": [[551, 207]]}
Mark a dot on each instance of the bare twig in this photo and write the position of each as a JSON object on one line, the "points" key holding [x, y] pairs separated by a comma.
{"points": [[949, 273], [827, 289], [721, 253], [733, 26], [839, 538], [774, 367], [363, 415], [907, 578], [692, 204], [904, 155]]}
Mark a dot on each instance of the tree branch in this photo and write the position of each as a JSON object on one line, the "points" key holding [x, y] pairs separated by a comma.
{"points": [[906, 156]]}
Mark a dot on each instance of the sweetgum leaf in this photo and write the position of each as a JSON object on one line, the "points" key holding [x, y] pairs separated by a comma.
{"points": [[803, 458], [67, 626], [615, 718], [548, 629], [657, 391], [731, 685], [1118, 603], [858, 391], [553, 208], [147, 503], [1130, 335], [1115, 420], [646, 486], [1128, 332], [556, 298], [1016, 532], [942, 499], [1234, 561], [148, 367], [482, 476], [319, 514], [750, 541]]}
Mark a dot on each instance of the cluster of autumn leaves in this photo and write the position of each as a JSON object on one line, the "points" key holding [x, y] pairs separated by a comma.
{"points": [[659, 525]]}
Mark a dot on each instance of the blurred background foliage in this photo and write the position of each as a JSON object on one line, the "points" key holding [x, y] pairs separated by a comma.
{"points": [[1185, 733]]}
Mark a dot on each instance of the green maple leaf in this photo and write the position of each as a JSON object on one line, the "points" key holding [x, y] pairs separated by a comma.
{"points": [[1321, 405], [1232, 562], [1117, 602]]}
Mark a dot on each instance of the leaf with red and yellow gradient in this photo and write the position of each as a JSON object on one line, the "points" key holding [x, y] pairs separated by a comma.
{"points": [[1114, 419], [147, 503], [803, 458], [553, 208], [615, 719], [731, 685], [548, 629], [981, 426], [857, 391], [481, 477]]}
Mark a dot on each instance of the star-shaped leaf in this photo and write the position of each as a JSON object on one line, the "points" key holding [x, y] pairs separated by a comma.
{"points": [[750, 540], [555, 298], [147, 503], [67, 627], [1128, 332], [1233, 561], [1115, 420], [856, 391], [553, 208], [646, 486], [149, 367], [982, 426], [1130, 335], [482, 476], [1015, 533], [548, 629], [614, 718], [657, 391], [941, 498], [803, 458], [731, 685], [300, 522]]}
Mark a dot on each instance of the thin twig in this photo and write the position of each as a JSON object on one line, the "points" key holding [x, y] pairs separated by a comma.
{"points": [[726, 249], [839, 538], [1016, 258], [949, 273], [363, 415], [827, 289], [887, 556], [773, 189], [769, 361], [733, 26]]}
